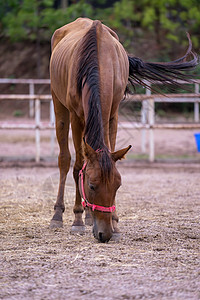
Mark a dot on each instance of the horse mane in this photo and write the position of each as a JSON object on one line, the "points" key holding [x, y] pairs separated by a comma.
{"points": [[88, 73]]}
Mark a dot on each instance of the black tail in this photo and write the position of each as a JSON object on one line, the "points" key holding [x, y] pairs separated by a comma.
{"points": [[167, 73]]}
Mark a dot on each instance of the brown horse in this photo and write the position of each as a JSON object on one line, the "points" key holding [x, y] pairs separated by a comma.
{"points": [[89, 71]]}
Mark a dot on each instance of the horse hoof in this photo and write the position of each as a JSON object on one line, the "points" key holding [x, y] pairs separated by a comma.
{"points": [[77, 229], [56, 224], [89, 221], [116, 236]]}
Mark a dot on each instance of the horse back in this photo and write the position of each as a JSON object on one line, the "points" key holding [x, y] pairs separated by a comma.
{"points": [[66, 47], [79, 24]]}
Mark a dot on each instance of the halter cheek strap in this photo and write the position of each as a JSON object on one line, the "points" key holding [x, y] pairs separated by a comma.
{"points": [[85, 202]]}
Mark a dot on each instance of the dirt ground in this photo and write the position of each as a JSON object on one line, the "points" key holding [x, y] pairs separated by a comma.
{"points": [[157, 256]]}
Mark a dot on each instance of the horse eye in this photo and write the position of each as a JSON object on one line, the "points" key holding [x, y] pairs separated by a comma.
{"points": [[92, 187]]}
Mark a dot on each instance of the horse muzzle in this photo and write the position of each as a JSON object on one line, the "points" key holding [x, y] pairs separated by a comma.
{"points": [[101, 232]]}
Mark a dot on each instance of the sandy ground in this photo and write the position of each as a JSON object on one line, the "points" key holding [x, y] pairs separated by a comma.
{"points": [[157, 257]]}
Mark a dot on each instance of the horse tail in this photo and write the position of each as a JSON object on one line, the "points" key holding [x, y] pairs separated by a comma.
{"points": [[167, 73]]}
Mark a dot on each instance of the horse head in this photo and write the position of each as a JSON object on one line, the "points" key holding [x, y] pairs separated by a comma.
{"points": [[99, 181]]}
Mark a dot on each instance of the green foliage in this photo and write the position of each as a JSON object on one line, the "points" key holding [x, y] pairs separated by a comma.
{"points": [[53, 19], [27, 19], [165, 20]]}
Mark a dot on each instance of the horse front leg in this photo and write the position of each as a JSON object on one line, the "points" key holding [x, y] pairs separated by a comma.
{"points": [[62, 131], [77, 134]]}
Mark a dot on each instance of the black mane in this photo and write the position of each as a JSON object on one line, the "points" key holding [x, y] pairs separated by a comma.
{"points": [[88, 73]]}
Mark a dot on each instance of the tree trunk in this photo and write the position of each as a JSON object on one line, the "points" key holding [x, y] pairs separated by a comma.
{"points": [[64, 4]]}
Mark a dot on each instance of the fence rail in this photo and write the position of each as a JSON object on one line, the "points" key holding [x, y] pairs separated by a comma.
{"points": [[24, 97], [147, 113]]}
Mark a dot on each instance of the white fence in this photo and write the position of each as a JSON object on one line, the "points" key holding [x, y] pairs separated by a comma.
{"points": [[147, 113]]}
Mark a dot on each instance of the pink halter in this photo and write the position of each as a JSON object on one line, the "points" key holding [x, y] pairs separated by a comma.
{"points": [[85, 201]]}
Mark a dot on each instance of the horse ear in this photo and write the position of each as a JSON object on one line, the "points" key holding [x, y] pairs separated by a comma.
{"points": [[120, 154], [89, 152]]}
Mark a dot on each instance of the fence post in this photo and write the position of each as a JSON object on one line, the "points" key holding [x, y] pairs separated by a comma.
{"points": [[144, 113], [143, 121], [52, 122], [151, 114], [31, 102], [196, 105], [37, 131]]}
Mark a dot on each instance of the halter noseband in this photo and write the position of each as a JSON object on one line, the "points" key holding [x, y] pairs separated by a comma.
{"points": [[85, 201]]}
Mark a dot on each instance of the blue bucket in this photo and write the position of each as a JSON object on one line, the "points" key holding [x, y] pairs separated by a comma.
{"points": [[197, 138]]}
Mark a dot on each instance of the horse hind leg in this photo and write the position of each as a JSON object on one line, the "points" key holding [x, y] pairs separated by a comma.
{"points": [[62, 132]]}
